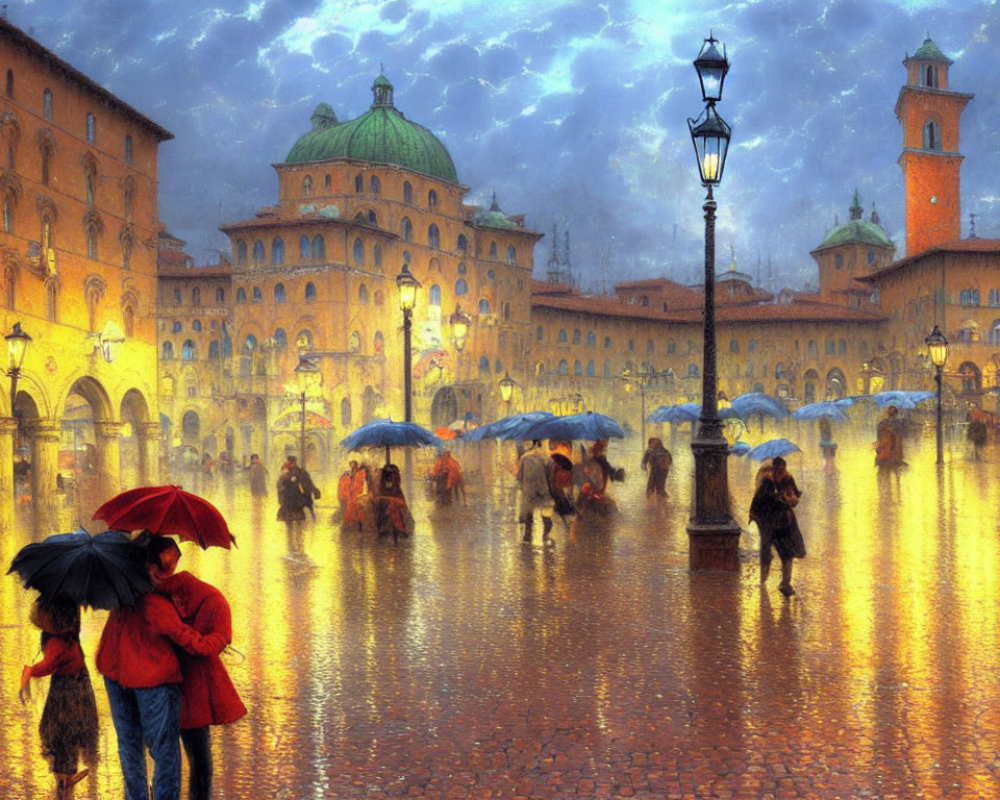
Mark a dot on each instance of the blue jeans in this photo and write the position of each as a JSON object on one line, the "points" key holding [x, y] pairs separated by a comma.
{"points": [[149, 717]]}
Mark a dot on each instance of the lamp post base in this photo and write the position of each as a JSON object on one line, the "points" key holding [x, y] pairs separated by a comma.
{"points": [[714, 546]]}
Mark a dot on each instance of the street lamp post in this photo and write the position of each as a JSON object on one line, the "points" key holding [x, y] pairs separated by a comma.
{"points": [[309, 376], [642, 379], [408, 286], [17, 347], [713, 536], [938, 347]]}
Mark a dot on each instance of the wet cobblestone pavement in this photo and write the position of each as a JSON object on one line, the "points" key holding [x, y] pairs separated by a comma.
{"points": [[463, 664]]}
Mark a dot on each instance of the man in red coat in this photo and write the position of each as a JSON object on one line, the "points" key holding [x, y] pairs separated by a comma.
{"points": [[208, 696], [142, 675]]}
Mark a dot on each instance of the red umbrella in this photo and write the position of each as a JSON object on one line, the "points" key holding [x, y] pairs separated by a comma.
{"points": [[167, 510]]}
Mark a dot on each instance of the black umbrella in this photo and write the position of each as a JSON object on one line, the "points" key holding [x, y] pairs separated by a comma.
{"points": [[103, 571]]}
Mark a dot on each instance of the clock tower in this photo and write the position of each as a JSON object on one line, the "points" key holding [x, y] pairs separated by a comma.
{"points": [[929, 114]]}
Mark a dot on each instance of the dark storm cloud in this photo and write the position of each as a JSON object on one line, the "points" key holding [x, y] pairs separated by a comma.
{"points": [[573, 112]]}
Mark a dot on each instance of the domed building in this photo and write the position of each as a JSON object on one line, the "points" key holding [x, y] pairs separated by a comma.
{"points": [[315, 275]]}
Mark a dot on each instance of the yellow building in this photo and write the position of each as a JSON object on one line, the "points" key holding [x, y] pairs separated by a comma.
{"points": [[78, 247]]}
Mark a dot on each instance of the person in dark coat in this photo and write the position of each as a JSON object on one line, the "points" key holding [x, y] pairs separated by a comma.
{"points": [[296, 492], [657, 461], [257, 477], [68, 727], [392, 515], [208, 696], [772, 509]]}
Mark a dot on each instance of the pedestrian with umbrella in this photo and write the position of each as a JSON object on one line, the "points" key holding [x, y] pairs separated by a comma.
{"points": [[772, 508], [68, 727]]}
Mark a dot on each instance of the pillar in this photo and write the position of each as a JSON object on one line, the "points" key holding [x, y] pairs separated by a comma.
{"points": [[109, 453], [150, 434], [7, 427], [45, 438]]}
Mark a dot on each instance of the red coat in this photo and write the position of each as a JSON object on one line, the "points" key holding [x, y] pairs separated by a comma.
{"points": [[208, 696], [136, 648], [59, 657]]}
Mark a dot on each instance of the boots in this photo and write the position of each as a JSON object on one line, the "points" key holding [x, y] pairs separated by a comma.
{"points": [[546, 527], [65, 782], [528, 523], [765, 570], [786, 578]]}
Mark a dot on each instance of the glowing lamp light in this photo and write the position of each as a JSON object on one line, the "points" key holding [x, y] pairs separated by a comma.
{"points": [[506, 387], [17, 347], [408, 286], [712, 67], [710, 135], [937, 344]]}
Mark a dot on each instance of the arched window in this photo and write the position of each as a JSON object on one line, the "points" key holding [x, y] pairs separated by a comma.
{"points": [[241, 253], [258, 253], [651, 348], [280, 339], [462, 269], [359, 251], [493, 250], [304, 341], [484, 306], [310, 293], [752, 346], [359, 184], [461, 287], [929, 76], [168, 351], [932, 136], [279, 293], [379, 298], [377, 256], [734, 345], [128, 149], [406, 229], [578, 368], [779, 371], [188, 350], [511, 255], [91, 242], [376, 185], [484, 365], [196, 296], [47, 104], [563, 367], [176, 327], [319, 248], [213, 349], [250, 344], [8, 215], [307, 186], [831, 347], [607, 342], [363, 294], [434, 237], [576, 336], [378, 346], [278, 251], [434, 295], [692, 370], [561, 338], [91, 128], [407, 192], [432, 199], [220, 295], [591, 339], [196, 325], [305, 249], [354, 344], [463, 244], [256, 295], [812, 349], [241, 295]]}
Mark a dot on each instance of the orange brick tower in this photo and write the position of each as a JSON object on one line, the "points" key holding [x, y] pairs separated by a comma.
{"points": [[929, 114]]}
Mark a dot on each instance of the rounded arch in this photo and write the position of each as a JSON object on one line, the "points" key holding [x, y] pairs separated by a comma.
{"points": [[836, 384], [444, 407], [971, 377]]}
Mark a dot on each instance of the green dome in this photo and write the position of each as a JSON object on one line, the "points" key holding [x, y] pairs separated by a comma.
{"points": [[494, 217], [929, 51], [381, 136], [858, 230]]}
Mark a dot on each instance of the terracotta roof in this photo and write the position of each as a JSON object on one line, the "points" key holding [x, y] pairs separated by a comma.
{"points": [[960, 246]]}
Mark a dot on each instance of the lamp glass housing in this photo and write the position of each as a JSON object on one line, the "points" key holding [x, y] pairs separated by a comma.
{"points": [[710, 134], [17, 346], [308, 375], [506, 387], [937, 345], [408, 286], [712, 67]]}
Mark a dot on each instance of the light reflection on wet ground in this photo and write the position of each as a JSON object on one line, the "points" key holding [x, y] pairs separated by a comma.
{"points": [[465, 664]]}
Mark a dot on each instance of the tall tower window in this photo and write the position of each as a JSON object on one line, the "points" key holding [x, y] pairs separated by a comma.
{"points": [[47, 104], [91, 128], [932, 135], [930, 76]]}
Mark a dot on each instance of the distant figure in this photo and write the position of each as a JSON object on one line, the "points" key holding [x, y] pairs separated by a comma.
{"points": [[344, 490], [392, 515], [657, 461], [257, 477], [826, 444], [594, 495], [534, 476], [447, 476], [68, 727], [889, 441]]}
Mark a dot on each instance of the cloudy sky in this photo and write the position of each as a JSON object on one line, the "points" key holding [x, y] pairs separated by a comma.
{"points": [[572, 111]]}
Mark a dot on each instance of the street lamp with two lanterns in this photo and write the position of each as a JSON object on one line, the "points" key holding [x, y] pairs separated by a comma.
{"points": [[408, 286]]}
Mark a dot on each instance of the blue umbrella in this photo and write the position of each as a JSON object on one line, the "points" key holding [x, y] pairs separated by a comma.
{"points": [[509, 428], [772, 449], [901, 398], [587, 425], [682, 412], [759, 403], [388, 433], [824, 409]]}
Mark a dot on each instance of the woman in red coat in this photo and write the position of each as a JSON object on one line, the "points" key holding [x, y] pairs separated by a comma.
{"points": [[208, 696]]}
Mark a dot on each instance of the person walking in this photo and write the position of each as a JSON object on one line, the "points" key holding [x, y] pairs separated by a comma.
{"points": [[889, 441], [68, 727], [208, 696], [392, 515], [358, 499], [657, 462], [534, 478], [257, 477], [142, 676], [772, 508], [447, 476]]}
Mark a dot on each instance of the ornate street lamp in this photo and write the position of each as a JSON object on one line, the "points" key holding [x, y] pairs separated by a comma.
{"points": [[712, 534], [17, 348], [309, 376], [459, 322], [408, 286], [506, 385], [937, 345]]}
